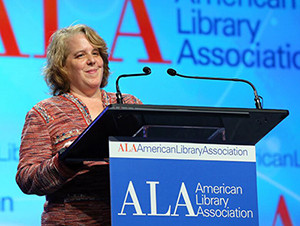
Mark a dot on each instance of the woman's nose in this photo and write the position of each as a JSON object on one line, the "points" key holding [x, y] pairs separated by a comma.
{"points": [[91, 59]]}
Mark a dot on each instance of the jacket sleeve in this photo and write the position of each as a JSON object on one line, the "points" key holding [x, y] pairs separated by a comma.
{"points": [[39, 170], [130, 99]]}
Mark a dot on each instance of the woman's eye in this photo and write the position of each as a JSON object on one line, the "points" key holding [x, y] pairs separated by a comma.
{"points": [[96, 53], [79, 55]]}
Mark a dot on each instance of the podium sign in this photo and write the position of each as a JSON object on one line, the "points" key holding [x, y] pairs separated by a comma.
{"points": [[178, 183]]}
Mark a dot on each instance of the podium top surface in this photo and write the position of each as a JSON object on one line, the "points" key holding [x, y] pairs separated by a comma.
{"points": [[183, 123], [174, 108]]}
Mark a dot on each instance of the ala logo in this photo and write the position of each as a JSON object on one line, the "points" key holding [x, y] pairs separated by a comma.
{"points": [[209, 201], [51, 20], [153, 201], [125, 147]]}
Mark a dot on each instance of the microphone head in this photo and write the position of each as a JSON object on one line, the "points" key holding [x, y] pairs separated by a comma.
{"points": [[147, 70], [171, 72]]}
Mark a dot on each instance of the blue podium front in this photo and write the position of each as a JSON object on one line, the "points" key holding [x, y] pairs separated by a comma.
{"points": [[177, 183]]}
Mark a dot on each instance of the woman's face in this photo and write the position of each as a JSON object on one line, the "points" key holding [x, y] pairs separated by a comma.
{"points": [[84, 65]]}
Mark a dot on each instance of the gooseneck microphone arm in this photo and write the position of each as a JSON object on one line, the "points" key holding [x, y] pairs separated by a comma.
{"points": [[146, 71], [258, 105]]}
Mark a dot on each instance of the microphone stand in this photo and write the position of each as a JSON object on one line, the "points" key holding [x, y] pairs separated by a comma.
{"points": [[257, 98], [146, 71]]}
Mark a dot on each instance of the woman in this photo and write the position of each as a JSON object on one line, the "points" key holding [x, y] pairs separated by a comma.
{"points": [[77, 67]]}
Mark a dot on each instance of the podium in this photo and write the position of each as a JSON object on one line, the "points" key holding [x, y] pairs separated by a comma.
{"points": [[177, 165]]}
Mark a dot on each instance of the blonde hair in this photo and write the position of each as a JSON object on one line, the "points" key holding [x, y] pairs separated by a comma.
{"points": [[57, 52]]}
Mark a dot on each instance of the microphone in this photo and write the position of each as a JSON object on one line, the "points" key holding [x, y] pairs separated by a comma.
{"points": [[146, 70], [257, 98]]}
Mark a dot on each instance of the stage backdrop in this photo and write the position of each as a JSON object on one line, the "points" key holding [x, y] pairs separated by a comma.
{"points": [[257, 40]]}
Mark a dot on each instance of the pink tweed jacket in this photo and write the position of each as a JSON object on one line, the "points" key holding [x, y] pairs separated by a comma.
{"points": [[72, 197]]}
